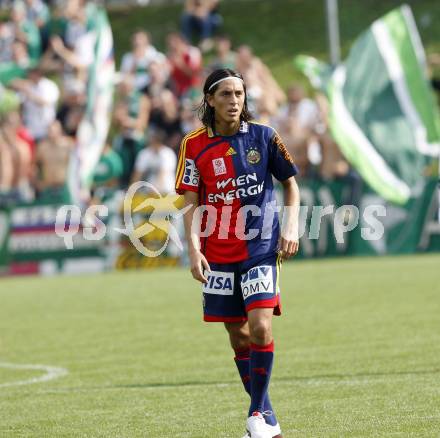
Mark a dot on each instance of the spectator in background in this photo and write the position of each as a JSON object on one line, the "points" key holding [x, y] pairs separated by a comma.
{"points": [[164, 105], [186, 65], [131, 117], [52, 161], [333, 164], [18, 65], [189, 118], [71, 50], [299, 115], [57, 23], [74, 61], [107, 175], [201, 19], [26, 31], [156, 164], [13, 118], [56, 26], [263, 92], [38, 12], [297, 121], [7, 37], [18, 155], [7, 170], [20, 56], [40, 96], [13, 121], [71, 110], [165, 116], [75, 14], [159, 80], [139, 60], [225, 58]]}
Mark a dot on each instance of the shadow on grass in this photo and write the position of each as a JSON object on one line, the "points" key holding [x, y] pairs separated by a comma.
{"points": [[348, 379]]}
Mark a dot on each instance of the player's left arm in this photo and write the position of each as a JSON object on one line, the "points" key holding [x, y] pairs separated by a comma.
{"points": [[289, 239], [283, 168]]}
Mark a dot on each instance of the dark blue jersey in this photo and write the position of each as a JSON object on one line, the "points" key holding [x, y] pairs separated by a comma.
{"points": [[233, 177]]}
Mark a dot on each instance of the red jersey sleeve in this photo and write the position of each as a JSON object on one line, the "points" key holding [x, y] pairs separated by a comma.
{"points": [[188, 176]]}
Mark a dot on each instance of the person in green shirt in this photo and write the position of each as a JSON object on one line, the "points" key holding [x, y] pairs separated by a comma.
{"points": [[38, 12], [26, 31], [131, 116], [107, 174]]}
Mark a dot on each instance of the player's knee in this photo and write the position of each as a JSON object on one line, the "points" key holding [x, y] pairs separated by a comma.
{"points": [[261, 332]]}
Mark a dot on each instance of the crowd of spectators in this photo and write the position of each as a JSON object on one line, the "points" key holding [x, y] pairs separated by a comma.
{"points": [[45, 58]]}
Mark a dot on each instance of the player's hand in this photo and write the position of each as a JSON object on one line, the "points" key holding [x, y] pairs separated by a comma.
{"points": [[287, 248], [198, 265]]}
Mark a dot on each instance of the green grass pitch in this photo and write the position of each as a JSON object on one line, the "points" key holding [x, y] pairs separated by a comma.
{"points": [[357, 354]]}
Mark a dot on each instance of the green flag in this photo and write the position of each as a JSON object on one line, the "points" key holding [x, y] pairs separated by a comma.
{"points": [[383, 113], [95, 124]]}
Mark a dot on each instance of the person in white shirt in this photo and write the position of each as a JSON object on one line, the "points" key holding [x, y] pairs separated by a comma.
{"points": [[299, 109], [156, 164], [40, 96], [299, 123], [37, 12], [137, 62], [7, 37]]}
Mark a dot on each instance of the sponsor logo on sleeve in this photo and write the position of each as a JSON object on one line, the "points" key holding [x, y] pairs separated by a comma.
{"points": [[283, 150], [191, 175], [258, 280], [219, 283], [219, 166]]}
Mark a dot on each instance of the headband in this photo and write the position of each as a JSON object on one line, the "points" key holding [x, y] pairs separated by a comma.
{"points": [[224, 79]]}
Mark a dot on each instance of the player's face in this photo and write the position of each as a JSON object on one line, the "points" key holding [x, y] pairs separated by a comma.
{"points": [[228, 101]]}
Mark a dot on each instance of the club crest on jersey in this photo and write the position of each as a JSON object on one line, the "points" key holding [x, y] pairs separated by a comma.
{"points": [[253, 156], [219, 283], [258, 280], [219, 166]]}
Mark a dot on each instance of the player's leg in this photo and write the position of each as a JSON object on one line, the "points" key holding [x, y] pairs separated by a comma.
{"points": [[261, 356], [260, 364], [259, 283], [239, 337], [261, 361], [240, 340]]}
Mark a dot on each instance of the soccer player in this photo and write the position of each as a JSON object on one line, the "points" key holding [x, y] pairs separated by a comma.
{"points": [[235, 245]]}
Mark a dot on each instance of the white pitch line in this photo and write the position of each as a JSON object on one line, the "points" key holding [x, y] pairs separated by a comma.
{"points": [[51, 373]]}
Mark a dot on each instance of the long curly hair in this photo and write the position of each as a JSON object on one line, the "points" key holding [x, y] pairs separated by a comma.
{"points": [[207, 112]]}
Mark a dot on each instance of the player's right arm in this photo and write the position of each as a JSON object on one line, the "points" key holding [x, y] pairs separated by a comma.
{"points": [[188, 184], [191, 218]]}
